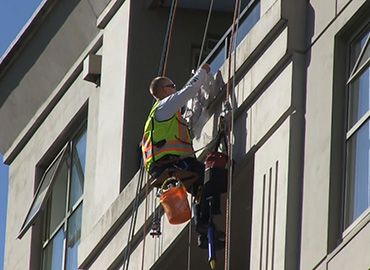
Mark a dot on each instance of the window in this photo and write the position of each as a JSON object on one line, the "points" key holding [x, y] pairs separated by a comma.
{"points": [[248, 18], [59, 199], [357, 189]]}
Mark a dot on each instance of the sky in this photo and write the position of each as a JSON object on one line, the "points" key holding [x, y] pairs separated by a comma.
{"points": [[14, 14]]}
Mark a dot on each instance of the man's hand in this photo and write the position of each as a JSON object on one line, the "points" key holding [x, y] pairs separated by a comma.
{"points": [[206, 67]]}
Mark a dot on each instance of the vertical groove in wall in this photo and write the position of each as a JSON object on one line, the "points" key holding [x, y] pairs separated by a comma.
{"points": [[269, 201], [274, 215], [268, 218], [263, 218]]}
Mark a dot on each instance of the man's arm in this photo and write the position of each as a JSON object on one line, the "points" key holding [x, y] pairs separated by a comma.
{"points": [[171, 104]]}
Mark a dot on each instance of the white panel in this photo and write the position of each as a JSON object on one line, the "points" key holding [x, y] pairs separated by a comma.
{"points": [[111, 108], [269, 202]]}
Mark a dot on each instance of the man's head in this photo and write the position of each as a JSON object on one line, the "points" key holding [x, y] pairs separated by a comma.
{"points": [[162, 87]]}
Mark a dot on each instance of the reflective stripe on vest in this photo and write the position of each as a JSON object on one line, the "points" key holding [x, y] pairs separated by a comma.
{"points": [[171, 147], [173, 133]]}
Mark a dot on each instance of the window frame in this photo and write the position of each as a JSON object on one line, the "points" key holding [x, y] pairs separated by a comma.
{"points": [[354, 72], [48, 236], [224, 42], [30, 220], [357, 70], [72, 134]]}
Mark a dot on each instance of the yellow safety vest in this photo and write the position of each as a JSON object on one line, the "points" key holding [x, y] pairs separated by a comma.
{"points": [[170, 137]]}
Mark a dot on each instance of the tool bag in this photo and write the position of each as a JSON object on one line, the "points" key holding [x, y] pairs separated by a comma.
{"points": [[215, 174], [216, 169]]}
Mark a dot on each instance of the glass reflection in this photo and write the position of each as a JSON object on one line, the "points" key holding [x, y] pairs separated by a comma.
{"points": [[78, 169], [358, 166], [359, 98], [53, 255], [73, 238]]}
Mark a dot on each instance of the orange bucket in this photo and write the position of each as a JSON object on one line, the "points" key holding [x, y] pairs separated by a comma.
{"points": [[175, 202]]}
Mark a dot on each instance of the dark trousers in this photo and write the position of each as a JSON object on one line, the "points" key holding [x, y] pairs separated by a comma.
{"points": [[202, 209]]}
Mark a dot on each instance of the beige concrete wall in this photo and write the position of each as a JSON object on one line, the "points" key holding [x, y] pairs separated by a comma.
{"points": [[112, 253], [22, 170], [40, 66], [317, 176], [250, 81], [317, 153], [354, 253], [341, 4], [323, 13], [270, 116], [270, 202], [105, 186], [266, 4], [103, 247]]}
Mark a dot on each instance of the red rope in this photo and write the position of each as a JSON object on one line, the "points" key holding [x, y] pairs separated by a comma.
{"points": [[228, 93]]}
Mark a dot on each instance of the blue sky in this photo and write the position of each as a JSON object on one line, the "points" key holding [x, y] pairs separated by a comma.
{"points": [[14, 14]]}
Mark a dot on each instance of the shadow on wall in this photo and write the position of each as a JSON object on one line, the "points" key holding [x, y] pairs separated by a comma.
{"points": [[34, 49]]}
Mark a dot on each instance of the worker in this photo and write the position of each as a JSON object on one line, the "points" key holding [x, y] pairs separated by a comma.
{"points": [[167, 138]]}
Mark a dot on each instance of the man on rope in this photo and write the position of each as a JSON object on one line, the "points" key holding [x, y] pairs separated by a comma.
{"points": [[167, 140]]}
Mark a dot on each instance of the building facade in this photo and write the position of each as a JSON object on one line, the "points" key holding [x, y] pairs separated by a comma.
{"points": [[74, 99]]}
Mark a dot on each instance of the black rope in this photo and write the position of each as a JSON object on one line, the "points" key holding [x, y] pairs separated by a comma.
{"points": [[141, 175], [205, 33], [135, 206], [166, 39]]}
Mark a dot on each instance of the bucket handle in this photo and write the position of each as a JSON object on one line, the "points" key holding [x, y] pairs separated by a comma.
{"points": [[172, 178]]}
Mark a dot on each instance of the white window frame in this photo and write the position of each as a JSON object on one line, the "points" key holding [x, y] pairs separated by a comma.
{"points": [[42, 194], [360, 66]]}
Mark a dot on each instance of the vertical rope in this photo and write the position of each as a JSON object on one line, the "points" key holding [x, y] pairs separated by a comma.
{"points": [[167, 43], [161, 72], [145, 218], [205, 33], [228, 94], [133, 220], [190, 227]]}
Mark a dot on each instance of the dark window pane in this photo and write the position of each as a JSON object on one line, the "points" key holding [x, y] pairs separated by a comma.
{"points": [[219, 55], [359, 98], [78, 169], [356, 49], [218, 59], [247, 24], [58, 199], [365, 55], [80, 147], [53, 253], [358, 165], [73, 238]]}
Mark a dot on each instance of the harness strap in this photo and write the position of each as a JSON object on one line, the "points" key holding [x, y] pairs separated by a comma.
{"points": [[175, 159]]}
